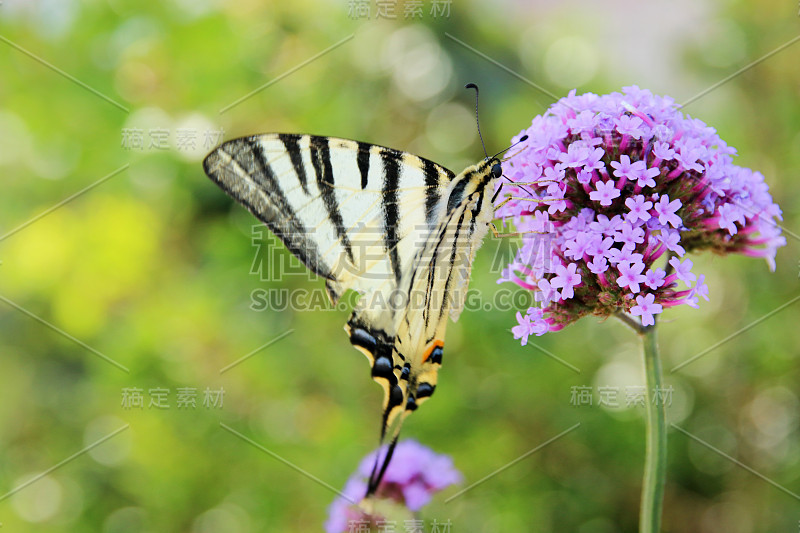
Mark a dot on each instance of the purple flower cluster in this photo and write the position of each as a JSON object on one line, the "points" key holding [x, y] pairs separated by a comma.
{"points": [[412, 477], [611, 192]]}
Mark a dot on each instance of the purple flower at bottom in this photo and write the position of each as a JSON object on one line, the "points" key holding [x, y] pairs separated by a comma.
{"points": [[413, 476], [341, 511]]}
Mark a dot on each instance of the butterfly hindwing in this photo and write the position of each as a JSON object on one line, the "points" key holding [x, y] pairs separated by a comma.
{"points": [[439, 279]]}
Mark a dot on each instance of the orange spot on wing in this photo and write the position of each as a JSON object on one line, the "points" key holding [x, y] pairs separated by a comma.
{"points": [[429, 350]]}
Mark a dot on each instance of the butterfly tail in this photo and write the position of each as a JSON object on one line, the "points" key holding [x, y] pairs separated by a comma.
{"points": [[379, 468]]}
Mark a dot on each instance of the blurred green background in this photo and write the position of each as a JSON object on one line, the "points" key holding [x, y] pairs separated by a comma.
{"points": [[156, 269]]}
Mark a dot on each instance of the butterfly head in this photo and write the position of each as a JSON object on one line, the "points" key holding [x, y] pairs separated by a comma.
{"points": [[491, 167], [497, 169], [473, 182]]}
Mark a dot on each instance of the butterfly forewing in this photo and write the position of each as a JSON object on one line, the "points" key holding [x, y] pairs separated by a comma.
{"points": [[350, 211]]}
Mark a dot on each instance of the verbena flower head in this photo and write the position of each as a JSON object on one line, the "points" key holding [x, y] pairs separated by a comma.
{"points": [[618, 189], [413, 476]]}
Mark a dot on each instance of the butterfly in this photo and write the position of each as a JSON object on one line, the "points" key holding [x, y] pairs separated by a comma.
{"points": [[399, 229]]}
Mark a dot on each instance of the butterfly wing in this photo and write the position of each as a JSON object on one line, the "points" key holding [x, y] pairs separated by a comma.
{"points": [[350, 211], [439, 280]]}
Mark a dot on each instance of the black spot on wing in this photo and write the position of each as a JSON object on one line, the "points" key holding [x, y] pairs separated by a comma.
{"points": [[383, 366], [291, 142], [368, 337], [383, 369], [424, 390], [321, 161], [364, 339], [436, 355], [391, 213], [395, 399], [411, 404]]}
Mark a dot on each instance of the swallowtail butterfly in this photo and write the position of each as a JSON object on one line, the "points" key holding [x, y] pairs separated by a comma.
{"points": [[381, 222]]}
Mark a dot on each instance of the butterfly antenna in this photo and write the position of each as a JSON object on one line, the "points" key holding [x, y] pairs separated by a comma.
{"points": [[477, 120], [521, 139]]}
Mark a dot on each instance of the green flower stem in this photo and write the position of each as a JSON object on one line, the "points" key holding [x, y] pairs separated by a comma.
{"points": [[655, 463]]}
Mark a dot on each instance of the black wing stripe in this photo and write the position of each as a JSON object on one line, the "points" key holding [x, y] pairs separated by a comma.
{"points": [[456, 195], [447, 288], [291, 142], [262, 173], [432, 276], [321, 160], [432, 194], [391, 212], [363, 162], [264, 198], [475, 211]]}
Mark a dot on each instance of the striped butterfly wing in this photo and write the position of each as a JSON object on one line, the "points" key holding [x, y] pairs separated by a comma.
{"points": [[350, 211]]}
